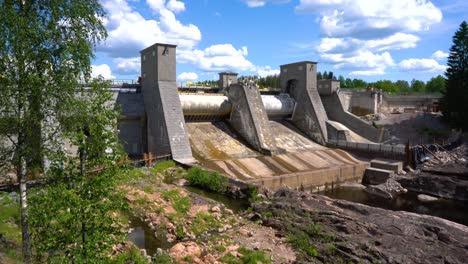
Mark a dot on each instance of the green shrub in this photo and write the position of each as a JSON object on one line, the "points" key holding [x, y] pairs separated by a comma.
{"points": [[206, 180]]}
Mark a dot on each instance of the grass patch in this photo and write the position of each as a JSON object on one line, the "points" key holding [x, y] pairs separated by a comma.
{"points": [[248, 257], [163, 165], [180, 203], [204, 222], [301, 241], [133, 256], [211, 181], [10, 218]]}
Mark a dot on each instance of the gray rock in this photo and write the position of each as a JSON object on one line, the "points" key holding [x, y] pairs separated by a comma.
{"points": [[352, 185], [427, 198]]}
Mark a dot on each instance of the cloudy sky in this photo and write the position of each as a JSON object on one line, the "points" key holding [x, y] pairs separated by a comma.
{"points": [[368, 39]]}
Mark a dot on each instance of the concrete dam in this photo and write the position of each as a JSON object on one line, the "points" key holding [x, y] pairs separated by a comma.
{"points": [[273, 140]]}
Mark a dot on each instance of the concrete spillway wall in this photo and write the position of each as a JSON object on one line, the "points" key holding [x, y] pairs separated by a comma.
{"points": [[337, 112]]}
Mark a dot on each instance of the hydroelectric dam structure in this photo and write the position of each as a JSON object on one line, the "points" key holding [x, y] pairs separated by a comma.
{"points": [[283, 138]]}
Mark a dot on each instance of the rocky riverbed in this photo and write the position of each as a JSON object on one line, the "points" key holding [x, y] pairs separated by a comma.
{"points": [[324, 230]]}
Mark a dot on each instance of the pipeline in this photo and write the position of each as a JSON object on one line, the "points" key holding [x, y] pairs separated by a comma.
{"points": [[199, 107]]}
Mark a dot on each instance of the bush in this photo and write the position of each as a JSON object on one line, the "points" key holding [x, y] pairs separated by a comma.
{"points": [[206, 180]]}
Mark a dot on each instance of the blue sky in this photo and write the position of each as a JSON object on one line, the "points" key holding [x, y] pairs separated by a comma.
{"points": [[367, 39]]}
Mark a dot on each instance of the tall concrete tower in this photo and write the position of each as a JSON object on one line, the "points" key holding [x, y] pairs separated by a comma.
{"points": [[300, 81], [165, 120]]}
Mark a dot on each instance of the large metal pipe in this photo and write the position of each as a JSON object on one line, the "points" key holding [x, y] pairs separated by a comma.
{"points": [[209, 105], [278, 105], [219, 105]]}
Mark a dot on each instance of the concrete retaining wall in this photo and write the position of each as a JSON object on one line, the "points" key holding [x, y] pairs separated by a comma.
{"points": [[336, 112], [397, 152], [316, 179], [410, 102]]}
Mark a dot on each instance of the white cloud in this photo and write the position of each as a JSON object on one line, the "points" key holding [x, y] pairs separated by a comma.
{"points": [[129, 32], [156, 5], [175, 6], [363, 61], [187, 76], [220, 57], [259, 3], [358, 35], [267, 71], [101, 70], [363, 18], [127, 65], [368, 73], [439, 55], [423, 65]]}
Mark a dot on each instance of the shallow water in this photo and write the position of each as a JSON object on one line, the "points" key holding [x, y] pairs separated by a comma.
{"points": [[143, 237], [456, 211]]}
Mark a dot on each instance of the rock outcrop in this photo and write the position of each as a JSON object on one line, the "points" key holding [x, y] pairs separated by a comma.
{"points": [[345, 231]]}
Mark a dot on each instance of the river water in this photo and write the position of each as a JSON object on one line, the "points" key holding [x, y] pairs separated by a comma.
{"points": [[456, 211]]}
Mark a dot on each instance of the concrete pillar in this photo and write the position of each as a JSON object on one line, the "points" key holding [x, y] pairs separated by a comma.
{"points": [[167, 133], [226, 79], [248, 116], [300, 81]]}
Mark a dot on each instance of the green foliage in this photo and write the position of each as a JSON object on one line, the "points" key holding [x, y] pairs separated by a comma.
{"points": [[163, 165], [301, 241], [436, 84], [403, 86], [455, 106], [66, 210], [220, 248], [248, 257], [418, 86], [9, 218], [133, 256], [252, 193], [204, 222], [45, 49], [386, 86], [181, 204], [76, 216], [162, 259], [211, 181]]}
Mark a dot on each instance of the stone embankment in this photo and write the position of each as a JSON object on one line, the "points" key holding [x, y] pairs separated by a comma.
{"points": [[335, 231]]}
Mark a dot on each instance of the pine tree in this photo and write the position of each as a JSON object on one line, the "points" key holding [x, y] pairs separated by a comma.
{"points": [[456, 98]]}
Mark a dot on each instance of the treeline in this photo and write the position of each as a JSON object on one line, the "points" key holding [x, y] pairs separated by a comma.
{"points": [[434, 85]]}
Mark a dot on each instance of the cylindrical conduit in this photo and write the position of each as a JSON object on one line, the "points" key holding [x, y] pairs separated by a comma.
{"points": [[201, 105], [219, 105], [278, 105]]}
